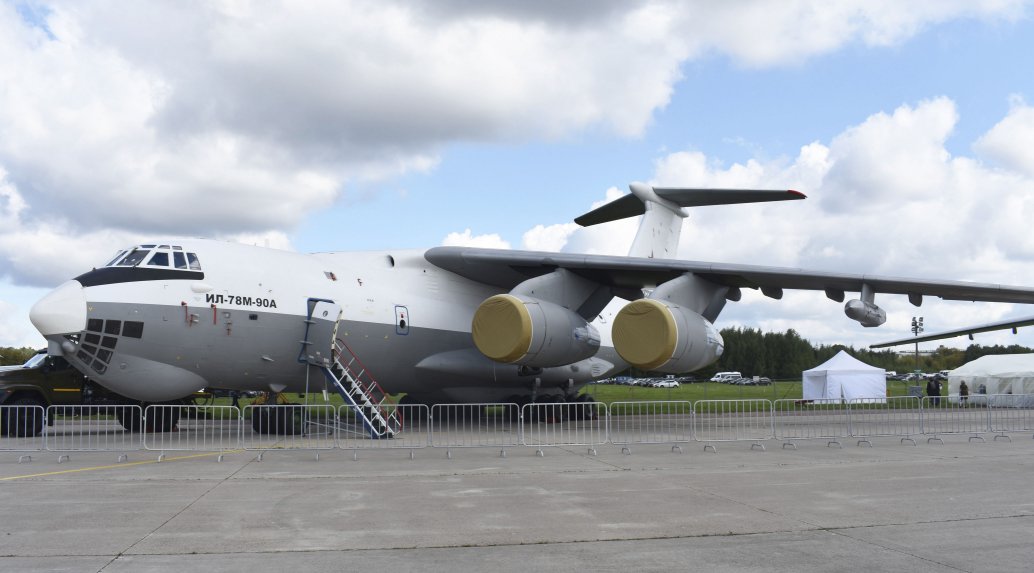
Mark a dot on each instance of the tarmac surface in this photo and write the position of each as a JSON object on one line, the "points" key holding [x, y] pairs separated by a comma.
{"points": [[956, 506]]}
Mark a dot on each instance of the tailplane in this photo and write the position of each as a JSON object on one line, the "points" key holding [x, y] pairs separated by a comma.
{"points": [[663, 210]]}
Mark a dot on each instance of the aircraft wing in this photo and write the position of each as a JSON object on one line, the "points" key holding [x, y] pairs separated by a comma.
{"points": [[627, 275], [970, 330]]}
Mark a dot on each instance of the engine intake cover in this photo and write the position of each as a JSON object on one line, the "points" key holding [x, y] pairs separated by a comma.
{"points": [[664, 337], [518, 329]]}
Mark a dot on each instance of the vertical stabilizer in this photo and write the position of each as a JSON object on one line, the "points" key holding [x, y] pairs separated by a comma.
{"points": [[660, 227]]}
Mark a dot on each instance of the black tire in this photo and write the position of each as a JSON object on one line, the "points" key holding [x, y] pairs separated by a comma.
{"points": [[161, 419], [278, 420], [23, 420]]}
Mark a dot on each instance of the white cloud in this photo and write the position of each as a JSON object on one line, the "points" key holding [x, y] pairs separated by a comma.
{"points": [[1011, 141], [468, 239]]}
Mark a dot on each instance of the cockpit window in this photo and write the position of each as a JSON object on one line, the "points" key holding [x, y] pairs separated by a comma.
{"points": [[157, 256], [117, 257], [159, 259], [133, 258]]}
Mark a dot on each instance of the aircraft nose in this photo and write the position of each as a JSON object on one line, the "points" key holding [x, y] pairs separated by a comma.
{"points": [[62, 311]]}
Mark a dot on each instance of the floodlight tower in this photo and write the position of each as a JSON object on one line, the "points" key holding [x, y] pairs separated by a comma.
{"points": [[917, 327]]}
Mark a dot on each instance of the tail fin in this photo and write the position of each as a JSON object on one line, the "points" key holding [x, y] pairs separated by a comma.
{"points": [[662, 207]]}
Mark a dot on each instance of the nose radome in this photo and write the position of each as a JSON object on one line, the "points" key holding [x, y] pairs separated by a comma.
{"points": [[62, 311]]}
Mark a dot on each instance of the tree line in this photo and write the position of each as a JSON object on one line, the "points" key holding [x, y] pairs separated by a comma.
{"points": [[786, 355], [10, 355]]}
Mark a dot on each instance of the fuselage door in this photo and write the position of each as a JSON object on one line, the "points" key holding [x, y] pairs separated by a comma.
{"points": [[321, 329]]}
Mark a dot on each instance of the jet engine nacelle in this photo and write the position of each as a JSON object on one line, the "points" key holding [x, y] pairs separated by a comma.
{"points": [[661, 336], [866, 313], [518, 329]]}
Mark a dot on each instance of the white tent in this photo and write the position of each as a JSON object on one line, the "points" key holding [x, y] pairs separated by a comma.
{"points": [[997, 374], [844, 376]]}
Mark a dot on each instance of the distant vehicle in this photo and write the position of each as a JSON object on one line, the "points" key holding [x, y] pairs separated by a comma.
{"points": [[726, 377], [665, 383]]}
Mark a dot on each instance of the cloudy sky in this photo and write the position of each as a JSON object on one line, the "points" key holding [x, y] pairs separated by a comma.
{"points": [[343, 125]]}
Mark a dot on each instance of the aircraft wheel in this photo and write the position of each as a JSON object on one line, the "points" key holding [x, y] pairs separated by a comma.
{"points": [[286, 420], [23, 420], [412, 411], [161, 419]]}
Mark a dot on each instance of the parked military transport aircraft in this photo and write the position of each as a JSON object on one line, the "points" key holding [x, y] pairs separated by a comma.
{"points": [[448, 324]]}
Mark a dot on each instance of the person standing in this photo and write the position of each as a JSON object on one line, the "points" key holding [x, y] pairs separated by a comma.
{"points": [[933, 391], [963, 393]]}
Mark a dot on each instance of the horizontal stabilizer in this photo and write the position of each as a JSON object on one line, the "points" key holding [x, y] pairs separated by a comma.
{"points": [[705, 197], [632, 205]]}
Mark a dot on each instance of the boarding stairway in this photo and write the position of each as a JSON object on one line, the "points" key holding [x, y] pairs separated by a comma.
{"points": [[343, 370]]}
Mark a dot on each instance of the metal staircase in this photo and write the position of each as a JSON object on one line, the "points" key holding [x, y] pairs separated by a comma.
{"points": [[373, 409]]}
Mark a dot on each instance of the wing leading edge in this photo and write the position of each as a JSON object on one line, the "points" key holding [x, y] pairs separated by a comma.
{"points": [[628, 275]]}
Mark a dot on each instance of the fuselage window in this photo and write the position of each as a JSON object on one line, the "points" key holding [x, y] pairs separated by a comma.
{"points": [[159, 259], [133, 259], [195, 265], [180, 260]]}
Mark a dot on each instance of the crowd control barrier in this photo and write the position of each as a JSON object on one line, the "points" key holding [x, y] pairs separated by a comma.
{"points": [[564, 424], [810, 420], [1010, 413], [475, 426], [21, 429], [732, 421], [410, 433], [669, 422], [194, 428], [290, 427], [324, 427], [898, 417], [944, 415], [93, 429]]}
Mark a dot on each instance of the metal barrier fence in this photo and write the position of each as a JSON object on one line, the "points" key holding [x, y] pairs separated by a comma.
{"points": [[93, 429], [451, 426], [732, 421], [475, 426], [950, 415], [1011, 413], [290, 427], [668, 422], [563, 424], [196, 428], [899, 417], [21, 429], [810, 420], [411, 433]]}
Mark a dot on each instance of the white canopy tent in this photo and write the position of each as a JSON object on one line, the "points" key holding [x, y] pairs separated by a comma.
{"points": [[844, 376], [996, 374]]}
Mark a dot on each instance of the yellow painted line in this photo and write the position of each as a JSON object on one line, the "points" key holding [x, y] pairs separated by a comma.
{"points": [[121, 465]]}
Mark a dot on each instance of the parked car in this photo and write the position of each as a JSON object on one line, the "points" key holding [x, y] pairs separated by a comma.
{"points": [[726, 377], [665, 383]]}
